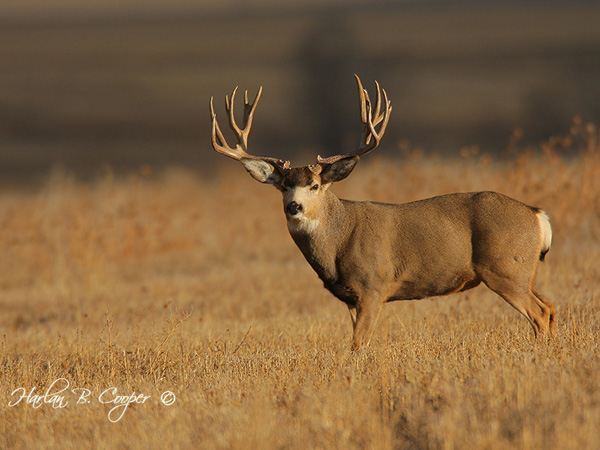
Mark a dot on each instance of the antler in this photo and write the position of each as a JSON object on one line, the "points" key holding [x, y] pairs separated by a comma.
{"points": [[370, 120], [240, 150]]}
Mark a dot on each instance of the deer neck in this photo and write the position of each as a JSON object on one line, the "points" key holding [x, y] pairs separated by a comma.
{"points": [[321, 242]]}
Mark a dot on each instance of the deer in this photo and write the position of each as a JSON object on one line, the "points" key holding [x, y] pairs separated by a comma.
{"points": [[368, 253]]}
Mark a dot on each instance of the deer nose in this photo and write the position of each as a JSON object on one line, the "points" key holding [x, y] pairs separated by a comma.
{"points": [[293, 208]]}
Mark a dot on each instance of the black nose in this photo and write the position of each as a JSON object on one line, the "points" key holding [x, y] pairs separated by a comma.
{"points": [[293, 208]]}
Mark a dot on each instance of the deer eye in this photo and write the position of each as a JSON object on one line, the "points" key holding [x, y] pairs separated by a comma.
{"points": [[314, 187]]}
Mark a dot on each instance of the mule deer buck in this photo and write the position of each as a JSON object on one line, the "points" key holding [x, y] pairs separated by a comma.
{"points": [[369, 253]]}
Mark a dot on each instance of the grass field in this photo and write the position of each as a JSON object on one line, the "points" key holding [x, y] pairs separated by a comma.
{"points": [[174, 282]]}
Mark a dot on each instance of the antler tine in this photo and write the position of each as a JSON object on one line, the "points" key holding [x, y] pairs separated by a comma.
{"points": [[218, 140], [240, 150], [362, 93], [377, 105], [370, 120], [249, 108], [239, 133]]}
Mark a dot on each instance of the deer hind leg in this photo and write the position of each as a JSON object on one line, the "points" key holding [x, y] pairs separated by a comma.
{"points": [[552, 311], [367, 314], [538, 312]]}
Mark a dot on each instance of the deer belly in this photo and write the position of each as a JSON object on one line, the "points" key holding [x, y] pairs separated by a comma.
{"points": [[414, 289]]}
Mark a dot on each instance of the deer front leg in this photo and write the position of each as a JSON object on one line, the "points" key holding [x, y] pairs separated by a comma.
{"points": [[367, 313], [352, 311]]}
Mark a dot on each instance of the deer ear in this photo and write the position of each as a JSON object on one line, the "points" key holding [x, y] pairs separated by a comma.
{"points": [[262, 171], [338, 170]]}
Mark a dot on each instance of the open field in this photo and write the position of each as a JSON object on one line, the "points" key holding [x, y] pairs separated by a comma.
{"points": [[174, 282]]}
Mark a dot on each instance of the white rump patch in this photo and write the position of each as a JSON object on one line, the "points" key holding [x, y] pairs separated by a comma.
{"points": [[302, 224], [545, 230]]}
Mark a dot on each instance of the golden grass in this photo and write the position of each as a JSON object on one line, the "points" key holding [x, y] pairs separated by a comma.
{"points": [[187, 284]]}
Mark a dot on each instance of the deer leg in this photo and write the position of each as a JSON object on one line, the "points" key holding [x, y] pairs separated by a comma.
{"points": [[537, 312], [540, 314], [367, 313], [552, 311], [352, 311]]}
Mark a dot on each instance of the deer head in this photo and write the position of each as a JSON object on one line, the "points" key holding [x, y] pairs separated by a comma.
{"points": [[303, 188]]}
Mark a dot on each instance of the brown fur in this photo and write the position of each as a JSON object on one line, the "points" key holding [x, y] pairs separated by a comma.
{"points": [[370, 253]]}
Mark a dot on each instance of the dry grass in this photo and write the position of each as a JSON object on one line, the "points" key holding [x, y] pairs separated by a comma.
{"points": [[188, 284]]}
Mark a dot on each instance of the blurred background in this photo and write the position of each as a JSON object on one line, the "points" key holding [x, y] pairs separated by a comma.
{"points": [[123, 84]]}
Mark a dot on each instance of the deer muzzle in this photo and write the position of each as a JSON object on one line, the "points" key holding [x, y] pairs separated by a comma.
{"points": [[293, 208]]}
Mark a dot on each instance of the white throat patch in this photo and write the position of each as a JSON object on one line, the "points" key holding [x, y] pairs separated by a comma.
{"points": [[302, 224]]}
